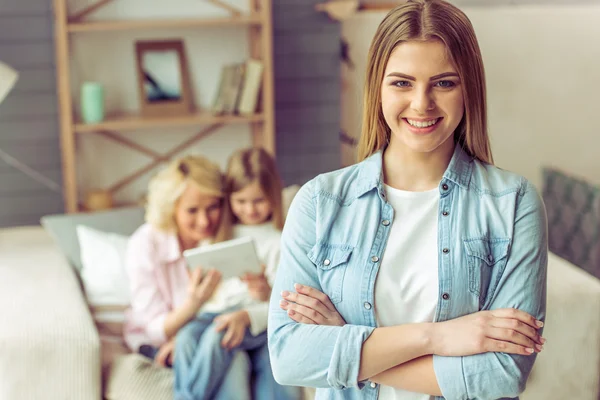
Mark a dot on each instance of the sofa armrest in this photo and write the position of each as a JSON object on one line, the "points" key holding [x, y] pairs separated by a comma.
{"points": [[569, 365], [49, 346]]}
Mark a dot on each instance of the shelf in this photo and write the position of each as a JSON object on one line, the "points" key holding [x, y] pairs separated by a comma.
{"points": [[101, 26], [129, 122]]}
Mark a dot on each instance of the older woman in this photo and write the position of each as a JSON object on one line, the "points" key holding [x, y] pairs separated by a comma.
{"points": [[184, 210]]}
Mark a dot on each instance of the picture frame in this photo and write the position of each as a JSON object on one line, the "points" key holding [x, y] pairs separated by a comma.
{"points": [[163, 78]]}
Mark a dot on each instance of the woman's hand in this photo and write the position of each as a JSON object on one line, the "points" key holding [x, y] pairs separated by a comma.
{"points": [[236, 323], [166, 354], [258, 286], [505, 330], [201, 288], [310, 306]]}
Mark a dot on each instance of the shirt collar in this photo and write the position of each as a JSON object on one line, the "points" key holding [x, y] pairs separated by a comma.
{"points": [[371, 171], [173, 249]]}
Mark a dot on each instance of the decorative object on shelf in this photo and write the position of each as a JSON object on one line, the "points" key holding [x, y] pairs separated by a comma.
{"points": [[239, 88], [92, 102], [8, 78], [163, 78], [339, 10], [98, 199]]}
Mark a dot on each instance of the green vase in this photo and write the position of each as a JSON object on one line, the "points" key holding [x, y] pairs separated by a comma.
{"points": [[92, 102]]}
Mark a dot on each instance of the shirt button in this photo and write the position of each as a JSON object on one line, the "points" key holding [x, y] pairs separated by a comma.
{"points": [[326, 262], [373, 385], [445, 213], [374, 259], [446, 251], [445, 187], [367, 305], [385, 222], [445, 296]]}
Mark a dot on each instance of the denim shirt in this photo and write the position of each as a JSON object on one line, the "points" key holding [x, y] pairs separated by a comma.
{"points": [[492, 244]]}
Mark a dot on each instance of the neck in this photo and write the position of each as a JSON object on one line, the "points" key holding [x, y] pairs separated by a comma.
{"points": [[186, 244], [408, 170]]}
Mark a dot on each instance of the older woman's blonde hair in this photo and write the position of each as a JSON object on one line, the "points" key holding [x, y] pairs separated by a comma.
{"points": [[251, 165], [168, 185], [424, 20]]}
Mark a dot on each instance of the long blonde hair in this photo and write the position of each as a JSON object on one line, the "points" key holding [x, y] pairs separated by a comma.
{"points": [[168, 185], [251, 165], [424, 20]]}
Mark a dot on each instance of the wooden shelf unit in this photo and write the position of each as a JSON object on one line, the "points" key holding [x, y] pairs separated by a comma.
{"points": [[103, 26], [130, 122], [260, 41]]}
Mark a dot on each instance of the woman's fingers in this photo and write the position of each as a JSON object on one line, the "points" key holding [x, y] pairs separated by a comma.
{"points": [[306, 312], [306, 301], [228, 337], [499, 346], [300, 318], [316, 294], [513, 313], [512, 336], [520, 327]]}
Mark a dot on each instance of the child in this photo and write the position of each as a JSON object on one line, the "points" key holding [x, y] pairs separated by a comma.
{"points": [[236, 316]]}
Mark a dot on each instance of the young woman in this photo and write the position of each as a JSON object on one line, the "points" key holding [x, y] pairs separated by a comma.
{"points": [[421, 270]]}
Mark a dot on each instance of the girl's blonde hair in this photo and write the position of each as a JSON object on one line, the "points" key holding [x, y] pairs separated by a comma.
{"points": [[247, 166], [424, 20], [168, 185]]}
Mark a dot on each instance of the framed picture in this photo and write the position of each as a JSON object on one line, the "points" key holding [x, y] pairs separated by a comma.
{"points": [[163, 78]]}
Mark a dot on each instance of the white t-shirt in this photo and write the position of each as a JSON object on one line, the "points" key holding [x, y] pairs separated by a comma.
{"points": [[406, 290], [233, 293]]}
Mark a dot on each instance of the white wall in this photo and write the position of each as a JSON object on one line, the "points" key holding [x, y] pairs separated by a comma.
{"points": [[543, 74], [109, 57]]}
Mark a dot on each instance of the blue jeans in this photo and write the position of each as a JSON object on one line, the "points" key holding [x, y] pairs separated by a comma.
{"points": [[201, 364]]}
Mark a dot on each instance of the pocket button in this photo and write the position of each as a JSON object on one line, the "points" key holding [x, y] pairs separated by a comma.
{"points": [[326, 262]]}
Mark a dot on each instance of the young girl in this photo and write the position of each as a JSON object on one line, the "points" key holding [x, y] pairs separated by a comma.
{"points": [[421, 270], [236, 316]]}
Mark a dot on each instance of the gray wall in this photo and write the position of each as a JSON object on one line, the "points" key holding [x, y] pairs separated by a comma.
{"points": [[307, 90], [28, 116]]}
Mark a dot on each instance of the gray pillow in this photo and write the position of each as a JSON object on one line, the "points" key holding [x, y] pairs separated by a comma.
{"points": [[62, 227]]}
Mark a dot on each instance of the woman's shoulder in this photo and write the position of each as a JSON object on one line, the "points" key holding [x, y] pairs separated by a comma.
{"points": [[345, 183], [491, 179]]}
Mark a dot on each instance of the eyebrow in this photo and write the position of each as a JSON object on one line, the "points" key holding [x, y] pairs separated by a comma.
{"points": [[433, 78]]}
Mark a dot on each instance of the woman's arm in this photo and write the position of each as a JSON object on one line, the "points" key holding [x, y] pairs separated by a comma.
{"points": [[522, 286], [148, 305]]}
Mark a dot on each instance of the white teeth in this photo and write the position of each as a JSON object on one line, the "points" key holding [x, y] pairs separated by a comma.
{"points": [[422, 124]]}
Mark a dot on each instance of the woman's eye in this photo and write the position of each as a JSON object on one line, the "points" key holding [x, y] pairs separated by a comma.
{"points": [[192, 210], [401, 84], [445, 84]]}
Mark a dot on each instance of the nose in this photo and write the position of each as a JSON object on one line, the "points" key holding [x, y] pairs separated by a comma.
{"points": [[202, 220], [422, 101]]}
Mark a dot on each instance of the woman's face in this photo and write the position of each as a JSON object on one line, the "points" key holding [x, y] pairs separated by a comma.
{"points": [[197, 215], [250, 205], [421, 97]]}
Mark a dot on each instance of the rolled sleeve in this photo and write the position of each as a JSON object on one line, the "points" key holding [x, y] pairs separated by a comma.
{"points": [[521, 286], [345, 359]]}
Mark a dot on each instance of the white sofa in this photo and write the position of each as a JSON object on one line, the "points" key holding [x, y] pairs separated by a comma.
{"points": [[50, 347]]}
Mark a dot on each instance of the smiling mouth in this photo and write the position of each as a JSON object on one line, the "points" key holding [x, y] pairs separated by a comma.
{"points": [[422, 124]]}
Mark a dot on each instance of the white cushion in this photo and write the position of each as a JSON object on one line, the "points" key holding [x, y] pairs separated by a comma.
{"points": [[103, 272]]}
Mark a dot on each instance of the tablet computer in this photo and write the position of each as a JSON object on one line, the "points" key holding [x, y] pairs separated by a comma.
{"points": [[232, 258]]}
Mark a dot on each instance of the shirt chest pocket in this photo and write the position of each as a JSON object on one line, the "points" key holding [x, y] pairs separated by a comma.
{"points": [[331, 262], [486, 259]]}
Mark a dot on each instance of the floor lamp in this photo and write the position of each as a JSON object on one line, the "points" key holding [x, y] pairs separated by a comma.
{"points": [[8, 78]]}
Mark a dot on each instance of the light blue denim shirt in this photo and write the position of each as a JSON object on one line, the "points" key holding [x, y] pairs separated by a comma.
{"points": [[492, 243]]}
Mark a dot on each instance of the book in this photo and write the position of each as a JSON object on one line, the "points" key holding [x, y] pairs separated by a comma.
{"points": [[250, 89], [220, 97]]}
